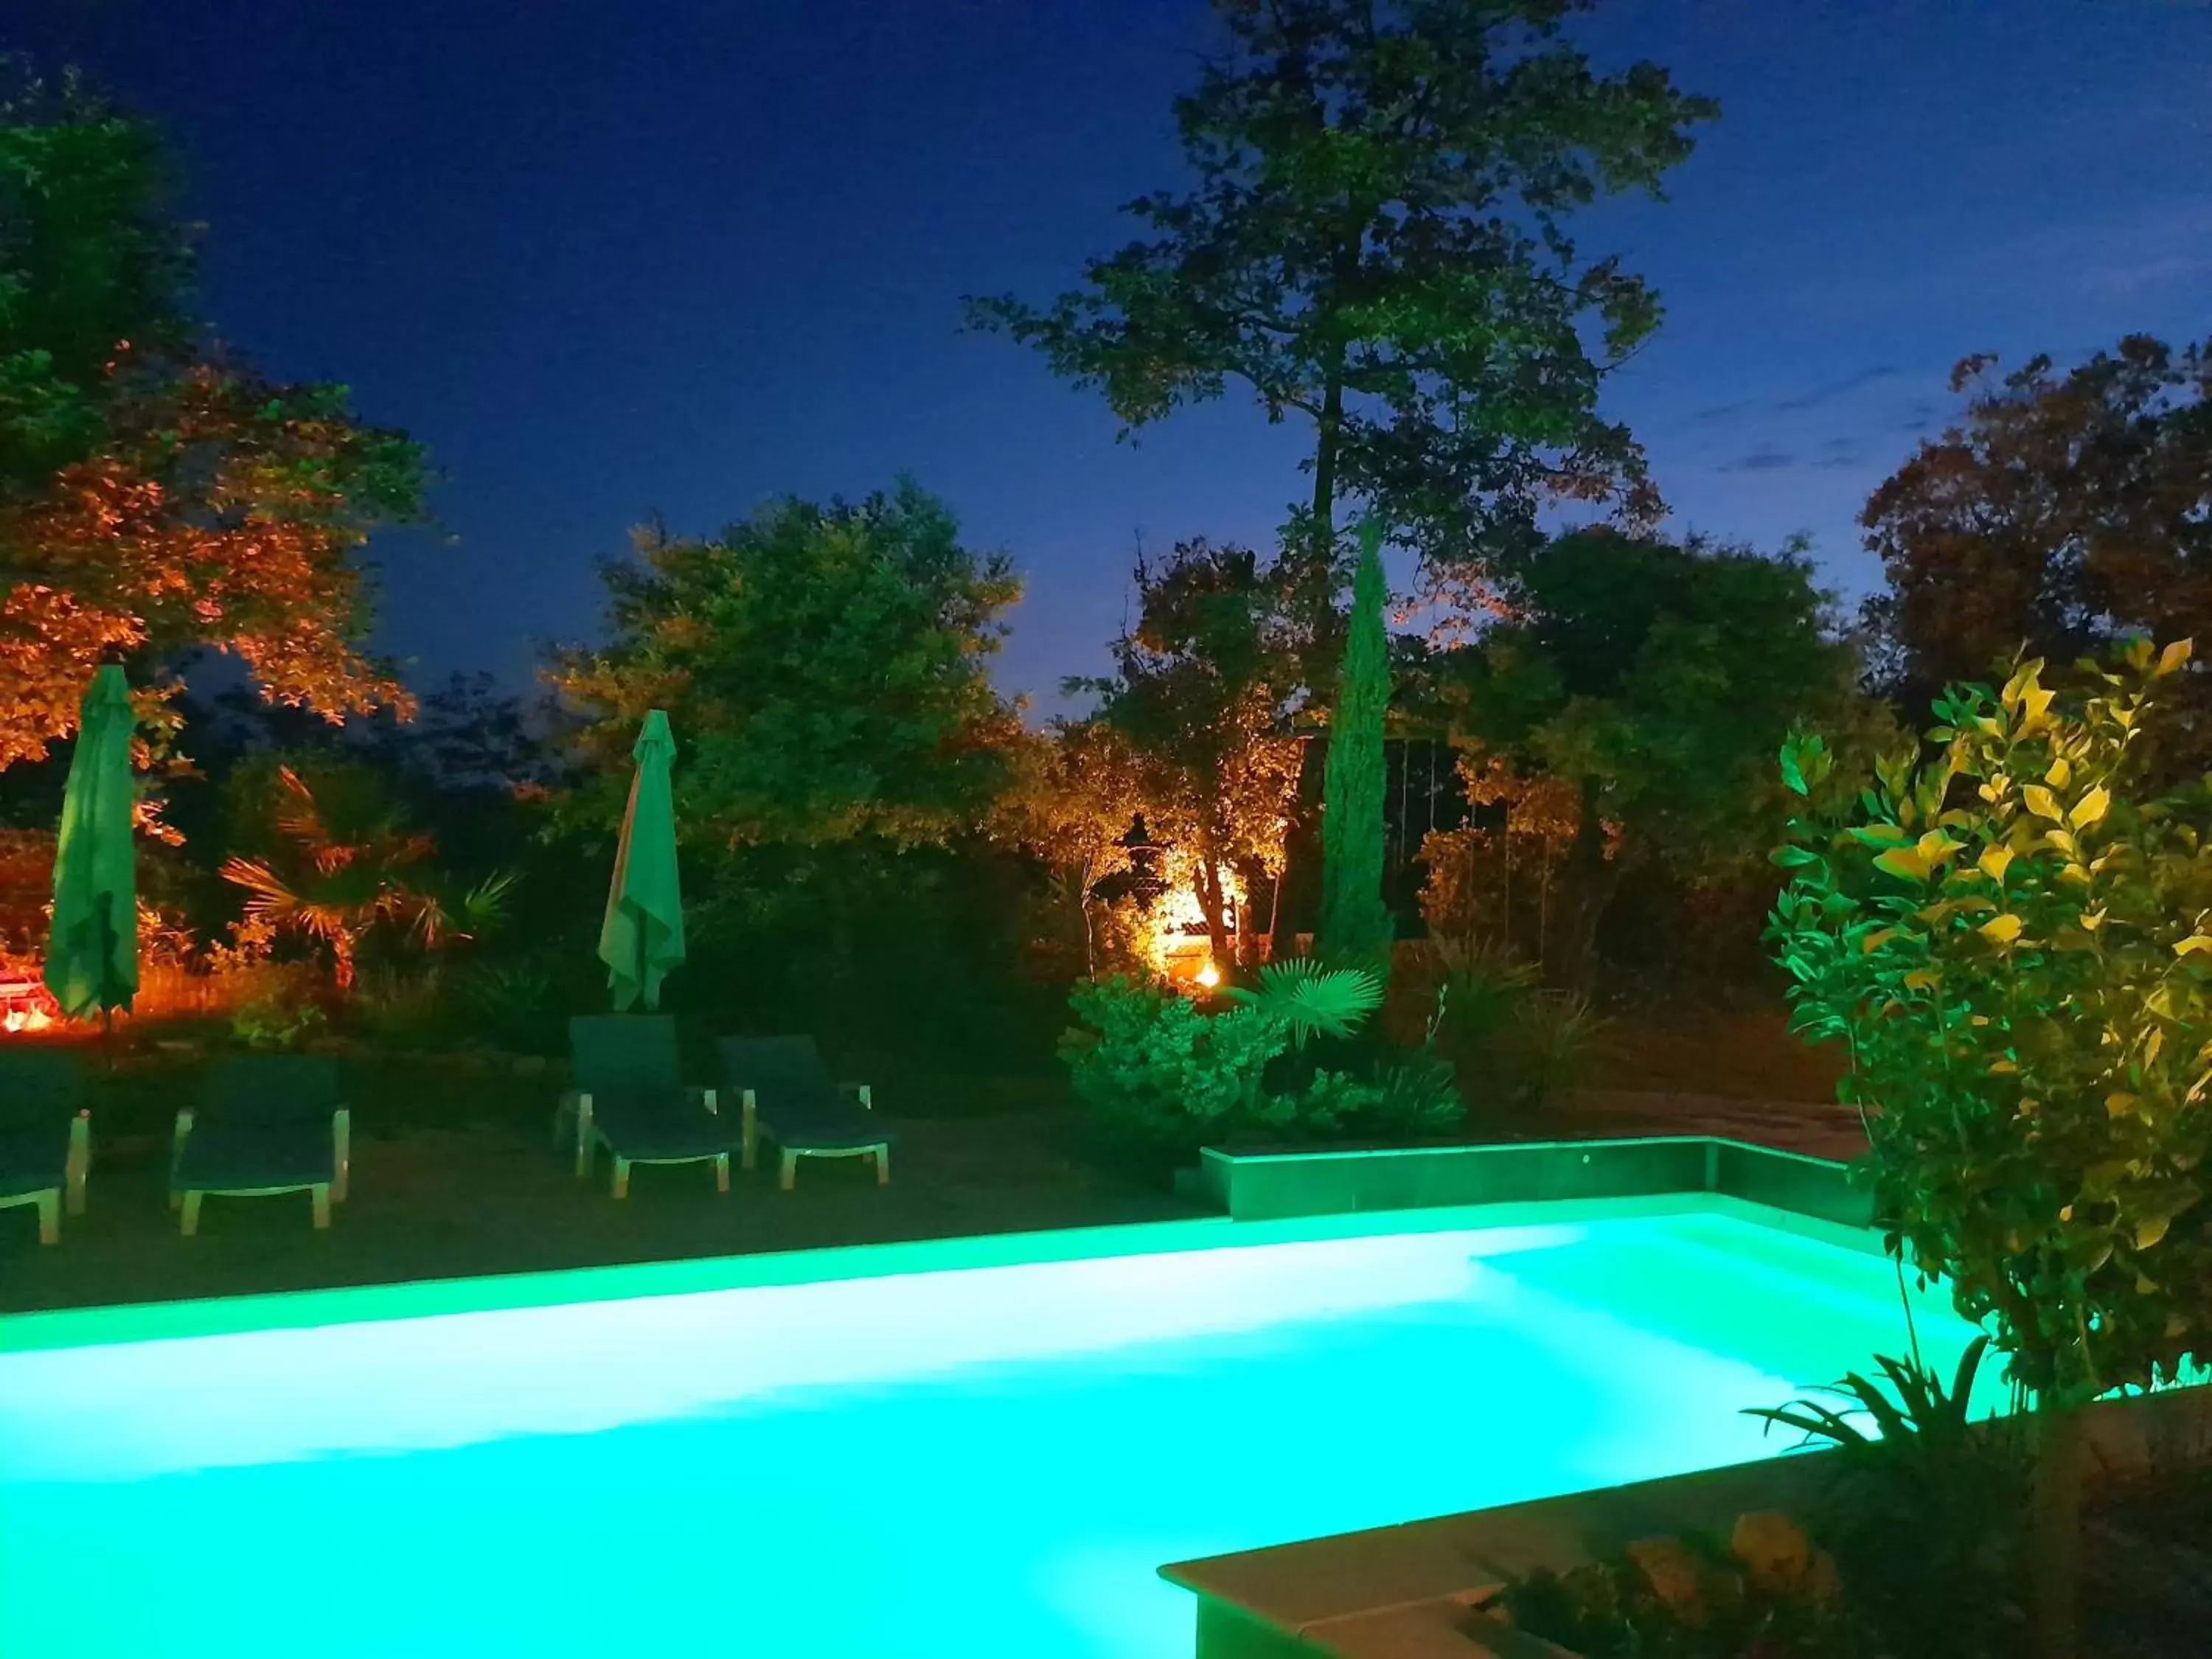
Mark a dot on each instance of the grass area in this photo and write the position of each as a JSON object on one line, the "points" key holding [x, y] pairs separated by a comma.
{"points": [[454, 1174]]}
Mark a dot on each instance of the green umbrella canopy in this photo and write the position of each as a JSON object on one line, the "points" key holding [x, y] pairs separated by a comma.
{"points": [[92, 955], [643, 936]]}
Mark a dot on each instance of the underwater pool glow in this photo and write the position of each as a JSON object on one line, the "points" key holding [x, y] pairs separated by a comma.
{"points": [[974, 1460]]}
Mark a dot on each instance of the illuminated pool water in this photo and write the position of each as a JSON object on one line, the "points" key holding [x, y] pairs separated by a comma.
{"points": [[972, 1459]]}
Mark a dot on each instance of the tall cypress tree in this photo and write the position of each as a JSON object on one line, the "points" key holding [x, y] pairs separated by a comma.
{"points": [[1355, 925]]}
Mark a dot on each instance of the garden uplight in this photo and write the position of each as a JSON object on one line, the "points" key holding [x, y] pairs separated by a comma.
{"points": [[1209, 976]]}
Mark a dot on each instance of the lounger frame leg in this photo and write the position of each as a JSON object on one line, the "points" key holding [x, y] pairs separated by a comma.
{"points": [[50, 1217], [622, 1177], [177, 1154], [883, 1166], [788, 1177], [190, 1204], [747, 1134], [320, 1192], [722, 1173], [341, 1154], [584, 1147], [80, 1160]]}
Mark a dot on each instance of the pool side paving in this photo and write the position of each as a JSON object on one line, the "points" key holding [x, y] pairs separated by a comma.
{"points": [[1268, 1197]]}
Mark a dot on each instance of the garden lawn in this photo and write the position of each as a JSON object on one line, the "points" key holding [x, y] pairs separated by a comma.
{"points": [[454, 1174]]}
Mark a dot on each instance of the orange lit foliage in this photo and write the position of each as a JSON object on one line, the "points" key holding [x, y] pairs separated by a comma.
{"points": [[220, 514], [1492, 881], [155, 499], [1201, 698]]}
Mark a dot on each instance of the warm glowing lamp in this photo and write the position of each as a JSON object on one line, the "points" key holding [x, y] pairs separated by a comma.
{"points": [[1209, 976]]}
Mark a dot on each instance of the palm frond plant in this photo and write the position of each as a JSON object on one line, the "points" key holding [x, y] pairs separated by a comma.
{"points": [[338, 876], [1309, 1000], [1480, 986], [1554, 1041], [1924, 1511]]}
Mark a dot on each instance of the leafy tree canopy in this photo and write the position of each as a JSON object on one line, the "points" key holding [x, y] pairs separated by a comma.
{"points": [[1653, 681], [1202, 698], [156, 498], [825, 669], [2066, 510], [1656, 678], [1376, 241]]}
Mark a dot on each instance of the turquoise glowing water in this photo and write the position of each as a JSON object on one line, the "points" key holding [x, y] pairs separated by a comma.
{"points": [[979, 1461]]}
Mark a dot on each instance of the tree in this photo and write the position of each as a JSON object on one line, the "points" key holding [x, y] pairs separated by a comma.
{"points": [[156, 498], [1203, 696], [1375, 241], [2067, 511], [2012, 936], [1355, 925], [1655, 681], [825, 670]]}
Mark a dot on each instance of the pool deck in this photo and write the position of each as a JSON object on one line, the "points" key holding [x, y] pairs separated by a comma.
{"points": [[437, 1203]]}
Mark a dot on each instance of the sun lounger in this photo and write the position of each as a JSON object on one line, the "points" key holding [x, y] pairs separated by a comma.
{"points": [[788, 1095], [267, 1124], [45, 1135], [630, 1097]]}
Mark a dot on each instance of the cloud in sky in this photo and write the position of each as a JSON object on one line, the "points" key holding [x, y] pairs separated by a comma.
{"points": [[1817, 397], [1835, 389], [1761, 460]]}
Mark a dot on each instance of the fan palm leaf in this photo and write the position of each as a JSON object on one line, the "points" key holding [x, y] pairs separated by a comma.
{"points": [[1311, 999]]}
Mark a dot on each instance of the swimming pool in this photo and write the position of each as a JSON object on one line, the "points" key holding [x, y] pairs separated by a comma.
{"points": [[980, 1447]]}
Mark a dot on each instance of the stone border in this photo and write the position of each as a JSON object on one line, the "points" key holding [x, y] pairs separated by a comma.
{"points": [[1407, 1592]]}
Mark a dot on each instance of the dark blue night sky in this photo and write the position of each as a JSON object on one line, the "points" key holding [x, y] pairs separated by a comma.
{"points": [[612, 257]]}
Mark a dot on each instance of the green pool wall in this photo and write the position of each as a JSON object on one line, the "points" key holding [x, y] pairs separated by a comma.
{"points": [[1276, 1186]]}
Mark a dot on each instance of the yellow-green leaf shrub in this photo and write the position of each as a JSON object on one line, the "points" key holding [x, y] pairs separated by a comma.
{"points": [[2013, 942]]}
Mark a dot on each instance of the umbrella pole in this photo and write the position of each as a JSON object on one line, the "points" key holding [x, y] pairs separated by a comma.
{"points": [[106, 1007]]}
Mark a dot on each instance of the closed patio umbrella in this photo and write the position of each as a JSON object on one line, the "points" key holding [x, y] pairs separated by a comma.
{"points": [[642, 936], [91, 955]]}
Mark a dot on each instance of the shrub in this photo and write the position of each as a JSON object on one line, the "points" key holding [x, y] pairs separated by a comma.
{"points": [[406, 1010], [1480, 990], [2013, 937], [1766, 1593], [1164, 1076], [1511, 1044], [1554, 1041], [516, 1004], [1411, 1099], [277, 1023]]}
